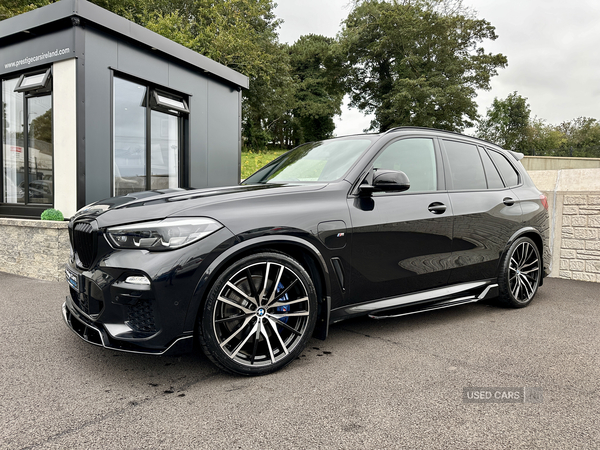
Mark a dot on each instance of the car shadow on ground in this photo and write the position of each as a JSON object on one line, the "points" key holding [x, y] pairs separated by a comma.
{"points": [[187, 368]]}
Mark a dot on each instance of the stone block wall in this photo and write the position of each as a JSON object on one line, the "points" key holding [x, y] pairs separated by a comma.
{"points": [[574, 200], [34, 248], [580, 249]]}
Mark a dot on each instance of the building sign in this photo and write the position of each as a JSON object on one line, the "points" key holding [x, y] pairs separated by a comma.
{"points": [[37, 58], [37, 51]]}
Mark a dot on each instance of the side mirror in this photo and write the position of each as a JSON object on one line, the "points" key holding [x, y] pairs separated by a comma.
{"points": [[387, 181]]}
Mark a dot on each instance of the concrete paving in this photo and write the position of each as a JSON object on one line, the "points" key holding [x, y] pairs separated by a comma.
{"points": [[372, 384]]}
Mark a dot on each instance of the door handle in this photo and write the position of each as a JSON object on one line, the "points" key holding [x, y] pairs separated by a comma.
{"points": [[437, 208], [508, 201]]}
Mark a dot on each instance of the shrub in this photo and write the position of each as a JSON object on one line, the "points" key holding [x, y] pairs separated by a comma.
{"points": [[52, 214]]}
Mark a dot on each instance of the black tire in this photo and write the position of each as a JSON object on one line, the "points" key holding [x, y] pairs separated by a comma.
{"points": [[259, 314], [520, 273]]}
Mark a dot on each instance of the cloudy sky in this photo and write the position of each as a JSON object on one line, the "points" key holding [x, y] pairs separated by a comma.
{"points": [[552, 48]]}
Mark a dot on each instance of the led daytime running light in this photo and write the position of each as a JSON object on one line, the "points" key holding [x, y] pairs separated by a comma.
{"points": [[166, 234]]}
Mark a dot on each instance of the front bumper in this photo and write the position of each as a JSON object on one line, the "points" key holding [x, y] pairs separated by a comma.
{"points": [[96, 335], [104, 308]]}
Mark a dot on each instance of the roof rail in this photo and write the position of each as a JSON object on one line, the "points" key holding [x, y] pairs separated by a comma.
{"points": [[407, 127]]}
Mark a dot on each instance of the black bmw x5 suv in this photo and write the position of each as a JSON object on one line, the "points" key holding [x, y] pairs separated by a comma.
{"points": [[382, 225]]}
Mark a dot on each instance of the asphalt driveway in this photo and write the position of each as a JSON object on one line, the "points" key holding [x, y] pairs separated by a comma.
{"points": [[372, 384]]}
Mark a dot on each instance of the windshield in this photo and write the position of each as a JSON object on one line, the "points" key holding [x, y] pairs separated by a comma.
{"points": [[317, 161]]}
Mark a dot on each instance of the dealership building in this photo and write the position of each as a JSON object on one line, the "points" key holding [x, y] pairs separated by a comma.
{"points": [[96, 106]]}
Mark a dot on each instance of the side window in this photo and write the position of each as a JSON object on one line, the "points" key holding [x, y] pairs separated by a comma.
{"points": [[508, 172], [491, 173], [465, 166], [416, 158]]}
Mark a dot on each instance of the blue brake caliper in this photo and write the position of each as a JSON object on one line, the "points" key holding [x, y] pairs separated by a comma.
{"points": [[283, 299]]}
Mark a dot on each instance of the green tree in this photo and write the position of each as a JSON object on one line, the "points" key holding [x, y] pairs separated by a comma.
{"points": [[318, 71], [131, 9], [134, 10], [235, 33], [241, 34], [10, 8], [581, 132], [267, 104], [541, 137], [506, 123], [415, 62], [41, 127]]}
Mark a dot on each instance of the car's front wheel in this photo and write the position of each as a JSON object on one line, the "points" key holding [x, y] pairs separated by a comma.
{"points": [[520, 273], [259, 314]]}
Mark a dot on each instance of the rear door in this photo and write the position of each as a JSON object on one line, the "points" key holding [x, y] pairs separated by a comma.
{"points": [[486, 211]]}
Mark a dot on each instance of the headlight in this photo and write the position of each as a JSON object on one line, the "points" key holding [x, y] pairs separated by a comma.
{"points": [[165, 234]]}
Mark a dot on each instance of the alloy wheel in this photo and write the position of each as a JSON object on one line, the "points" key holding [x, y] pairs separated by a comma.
{"points": [[261, 314], [524, 271]]}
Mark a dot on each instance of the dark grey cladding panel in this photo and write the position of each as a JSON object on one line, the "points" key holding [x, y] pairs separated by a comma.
{"points": [[37, 50], [101, 53], [144, 64], [223, 135], [115, 24], [197, 87]]}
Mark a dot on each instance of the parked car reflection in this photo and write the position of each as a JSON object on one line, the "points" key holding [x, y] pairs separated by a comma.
{"points": [[40, 191]]}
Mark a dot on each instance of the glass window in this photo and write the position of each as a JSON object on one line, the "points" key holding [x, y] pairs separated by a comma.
{"points": [[316, 161], [170, 103], [39, 145], [165, 150], [508, 172], [491, 173], [466, 169], [129, 134], [33, 82], [416, 158], [27, 149], [13, 143], [147, 137]]}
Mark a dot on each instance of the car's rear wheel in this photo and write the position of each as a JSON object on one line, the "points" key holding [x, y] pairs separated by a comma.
{"points": [[520, 273], [258, 315]]}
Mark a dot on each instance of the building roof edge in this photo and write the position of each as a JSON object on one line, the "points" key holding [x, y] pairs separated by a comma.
{"points": [[117, 24]]}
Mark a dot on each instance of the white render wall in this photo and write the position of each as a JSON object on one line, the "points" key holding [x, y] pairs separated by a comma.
{"points": [[558, 163], [65, 136]]}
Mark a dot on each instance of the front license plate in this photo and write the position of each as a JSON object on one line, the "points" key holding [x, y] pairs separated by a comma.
{"points": [[72, 279]]}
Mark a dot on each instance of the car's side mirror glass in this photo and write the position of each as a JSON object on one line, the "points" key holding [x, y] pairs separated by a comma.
{"points": [[387, 181]]}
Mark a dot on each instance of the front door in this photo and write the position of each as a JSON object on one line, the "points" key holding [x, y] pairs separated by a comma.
{"points": [[401, 242]]}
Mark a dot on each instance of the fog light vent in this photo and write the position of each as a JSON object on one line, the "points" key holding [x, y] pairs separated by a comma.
{"points": [[141, 316]]}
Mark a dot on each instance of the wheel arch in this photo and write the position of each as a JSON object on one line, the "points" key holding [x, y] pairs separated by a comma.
{"points": [[307, 255], [537, 239]]}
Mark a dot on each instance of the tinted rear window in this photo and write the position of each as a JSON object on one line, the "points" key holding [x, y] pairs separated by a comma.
{"points": [[465, 166], [508, 172], [491, 173]]}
